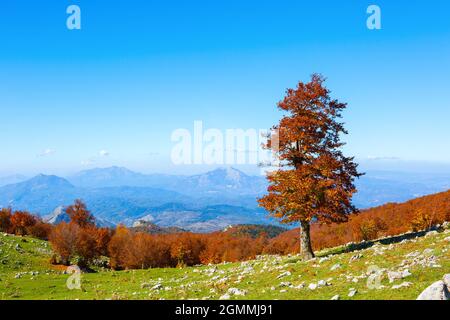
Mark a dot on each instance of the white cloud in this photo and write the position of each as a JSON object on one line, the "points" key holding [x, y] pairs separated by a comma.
{"points": [[382, 158], [87, 162], [46, 152], [104, 153]]}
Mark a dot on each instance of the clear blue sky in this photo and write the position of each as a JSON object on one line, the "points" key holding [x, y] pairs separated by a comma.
{"points": [[137, 70]]}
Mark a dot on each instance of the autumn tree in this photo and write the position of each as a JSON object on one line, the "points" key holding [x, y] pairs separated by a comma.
{"points": [[64, 239], [315, 181], [5, 219], [73, 242], [21, 222], [80, 215]]}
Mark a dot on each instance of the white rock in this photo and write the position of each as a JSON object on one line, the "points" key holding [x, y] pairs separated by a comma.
{"points": [[236, 292], [406, 273], [394, 275], [226, 296], [336, 297], [437, 291], [284, 274], [352, 293], [157, 287], [335, 267], [402, 285], [312, 286], [356, 257]]}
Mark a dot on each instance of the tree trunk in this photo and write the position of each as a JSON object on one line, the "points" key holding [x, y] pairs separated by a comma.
{"points": [[306, 252]]}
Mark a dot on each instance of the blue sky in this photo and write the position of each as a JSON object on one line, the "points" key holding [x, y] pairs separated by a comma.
{"points": [[137, 70]]}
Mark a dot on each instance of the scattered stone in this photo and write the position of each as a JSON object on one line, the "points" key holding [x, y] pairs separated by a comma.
{"points": [[312, 286], [336, 297], [226, 296], [236, 292], [335, 267], [285, 284], [157, 287], [397, 275], [402, 285], [322, 283], [284, 274], [356, 257], [352, 292], [406, 273], [431, 233]]}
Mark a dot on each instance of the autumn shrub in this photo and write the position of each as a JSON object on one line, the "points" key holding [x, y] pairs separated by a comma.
{"points": [[80, 215], [128, 250], [118, 245], [285, 243], [75, 244], [102, 238], [226, 248], [5, 220], [186, 248], [40, 230], [63, 239], [21, 222], [368, 229], [423, 220]]}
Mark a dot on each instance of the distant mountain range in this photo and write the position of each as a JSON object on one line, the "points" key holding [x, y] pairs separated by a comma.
{"points": [[203, 203]]}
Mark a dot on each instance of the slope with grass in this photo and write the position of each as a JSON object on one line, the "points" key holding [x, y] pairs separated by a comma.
{"points": [[25, 273]]}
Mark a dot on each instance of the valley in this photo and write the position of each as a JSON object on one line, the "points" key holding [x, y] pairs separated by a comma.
{"points": [[200, 203]]}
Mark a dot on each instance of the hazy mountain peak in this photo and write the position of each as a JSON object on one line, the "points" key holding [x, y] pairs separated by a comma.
{"points": [[227, 174], [106, 177], [47, 180], [114, 170]]}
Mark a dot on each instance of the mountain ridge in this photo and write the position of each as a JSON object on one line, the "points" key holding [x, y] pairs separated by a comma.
{"points": [[202, 202]]}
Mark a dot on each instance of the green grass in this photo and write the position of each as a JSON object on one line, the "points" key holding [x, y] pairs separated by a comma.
{"points": [[38, 279]]}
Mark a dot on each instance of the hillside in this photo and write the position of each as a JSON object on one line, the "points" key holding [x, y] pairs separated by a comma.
{"points": [[387, 220], [25, 273], [254, 230]]}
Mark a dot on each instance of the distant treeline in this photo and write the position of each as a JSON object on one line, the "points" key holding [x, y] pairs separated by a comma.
{"points": [[81, 242]]}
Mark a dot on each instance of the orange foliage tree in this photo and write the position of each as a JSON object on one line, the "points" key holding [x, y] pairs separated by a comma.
{"points": [[73, 242], [21, 222], [316, 181], [80, 215], [80, 239], [5, 219]]}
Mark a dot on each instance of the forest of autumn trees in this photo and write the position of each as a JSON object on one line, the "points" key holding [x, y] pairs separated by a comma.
{"points": [[81, 242]]}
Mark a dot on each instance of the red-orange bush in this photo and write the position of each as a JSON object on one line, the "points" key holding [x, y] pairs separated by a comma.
{"points": [[21, 222], [5, 220], [40, 230], [71, 242], [80, 215], [185, 248], [222, 247], [129, 250]]}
